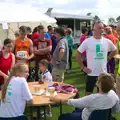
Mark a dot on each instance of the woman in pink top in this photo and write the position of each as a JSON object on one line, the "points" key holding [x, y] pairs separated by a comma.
{"points": [[82, 38]]}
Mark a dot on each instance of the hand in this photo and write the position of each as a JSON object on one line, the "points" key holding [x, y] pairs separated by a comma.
{"points": [[58, 100], [55, 99], [36, 51], [87, 70], [108, 58]]}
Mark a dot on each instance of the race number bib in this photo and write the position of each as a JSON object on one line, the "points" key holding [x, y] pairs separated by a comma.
{"points": [[22, 54]]}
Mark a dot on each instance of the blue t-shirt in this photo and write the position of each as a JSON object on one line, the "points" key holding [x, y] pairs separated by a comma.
{"points": [[47, 35]]}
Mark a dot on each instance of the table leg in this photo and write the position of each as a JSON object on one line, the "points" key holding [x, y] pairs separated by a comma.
{"points": [[31, 113], [60, 108], [44, 112], [38, 113]]}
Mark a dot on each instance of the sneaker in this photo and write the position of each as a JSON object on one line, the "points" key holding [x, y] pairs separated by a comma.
{"points": [[49, 114], [69, 71]]}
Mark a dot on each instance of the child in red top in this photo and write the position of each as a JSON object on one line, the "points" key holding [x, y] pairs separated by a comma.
{"points": [[7, 60]]}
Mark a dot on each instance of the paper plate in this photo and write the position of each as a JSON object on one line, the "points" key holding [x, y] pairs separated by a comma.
{"points": [[48, 94], [40, 93]]}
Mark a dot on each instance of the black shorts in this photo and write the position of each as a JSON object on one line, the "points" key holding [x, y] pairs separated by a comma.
{"points": [[90, 83]]}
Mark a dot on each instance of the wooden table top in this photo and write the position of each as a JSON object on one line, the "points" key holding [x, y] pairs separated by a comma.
{"points": [[117, 56], [43, 99]]}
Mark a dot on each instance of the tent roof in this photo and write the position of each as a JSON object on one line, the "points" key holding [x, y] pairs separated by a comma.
{"points": [[21, 13], [70, 16]]}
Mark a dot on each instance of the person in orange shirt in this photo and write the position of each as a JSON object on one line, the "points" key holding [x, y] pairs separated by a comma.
{"points": [[23, 46], [110, 35], [111, 62]]}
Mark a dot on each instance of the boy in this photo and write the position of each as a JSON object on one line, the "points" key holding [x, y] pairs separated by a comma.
{"points": [[46, 77]]}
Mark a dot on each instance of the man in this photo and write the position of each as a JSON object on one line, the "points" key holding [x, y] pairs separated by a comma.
{"points": [[23, 46], [29, 35], [96, 48], [60, 56], [42, 49], [49, 33], [118, 74], [111, 63], [70, 41]]}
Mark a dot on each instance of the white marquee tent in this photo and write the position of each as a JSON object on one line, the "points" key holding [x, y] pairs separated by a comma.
{"points": [[15, 15]]}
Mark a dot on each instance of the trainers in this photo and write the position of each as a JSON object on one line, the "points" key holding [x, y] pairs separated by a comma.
{"points": [[49, 114]]}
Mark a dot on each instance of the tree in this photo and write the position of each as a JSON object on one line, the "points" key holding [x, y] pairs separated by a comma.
{"points": [[118, 18], [96, 18], [111, 21]]}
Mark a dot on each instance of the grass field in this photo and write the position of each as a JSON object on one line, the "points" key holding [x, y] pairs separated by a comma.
{"points": [[76, 78]]}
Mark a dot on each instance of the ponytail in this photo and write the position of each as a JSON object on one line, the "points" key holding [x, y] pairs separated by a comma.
{"points": [[5, 85], [16, 71]]}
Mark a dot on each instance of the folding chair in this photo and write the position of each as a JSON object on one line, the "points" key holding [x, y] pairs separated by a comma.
{"points": [[101, 115]]}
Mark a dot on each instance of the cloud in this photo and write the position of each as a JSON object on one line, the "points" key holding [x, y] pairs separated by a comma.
{"points": [[102, 8]]}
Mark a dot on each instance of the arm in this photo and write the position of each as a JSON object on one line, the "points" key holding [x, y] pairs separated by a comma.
{"points": [[79, 59], [116, 108], [31, 50], [48, 48], [80, 103], [61, 54], [13, 61], [30, 102], [3, 75], [118, 48], [45, 50], [113, 50], [112, 54], [26, 94]]}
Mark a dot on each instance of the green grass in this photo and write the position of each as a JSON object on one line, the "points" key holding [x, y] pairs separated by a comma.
{"points": [[76, 78]]}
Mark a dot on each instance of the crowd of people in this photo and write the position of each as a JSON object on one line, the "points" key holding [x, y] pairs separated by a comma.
{"points": [[51, 55]]}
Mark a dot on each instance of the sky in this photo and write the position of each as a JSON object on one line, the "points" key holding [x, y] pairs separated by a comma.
{"points": [[103, 8]]}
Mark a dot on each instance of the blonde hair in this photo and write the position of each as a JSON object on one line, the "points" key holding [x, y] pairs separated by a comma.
{"points": [[69, 30], [16, 71]]}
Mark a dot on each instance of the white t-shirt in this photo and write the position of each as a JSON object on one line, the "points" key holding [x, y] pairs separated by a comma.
{"points": [[96, 102], [17, 95], [96, 51], [47, 77]]}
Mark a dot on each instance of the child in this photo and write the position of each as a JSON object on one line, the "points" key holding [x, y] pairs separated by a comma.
{"points": [[46, 77], [15, 94]]}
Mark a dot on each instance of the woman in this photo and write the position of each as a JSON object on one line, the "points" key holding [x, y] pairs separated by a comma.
{"points": [[70, 45], [35, 34], [15, 94], [105, 99], [7, 60], [83, 38]]}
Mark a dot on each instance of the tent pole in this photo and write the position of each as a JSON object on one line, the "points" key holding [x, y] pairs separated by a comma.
{"points": [[18, 25], [74, 27]]}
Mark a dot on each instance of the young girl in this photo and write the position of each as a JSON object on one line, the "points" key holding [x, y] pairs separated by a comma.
{"points": [[15, 94], [7, 60]]}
